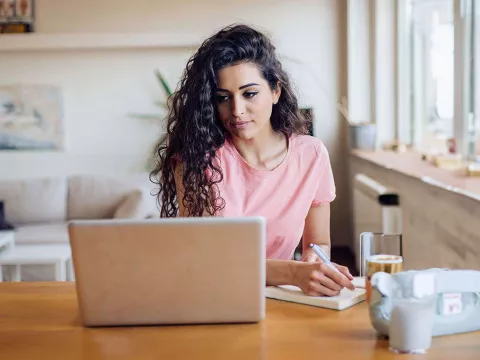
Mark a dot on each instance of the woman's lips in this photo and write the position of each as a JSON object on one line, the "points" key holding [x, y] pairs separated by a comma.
{"points": [[240, 124]]}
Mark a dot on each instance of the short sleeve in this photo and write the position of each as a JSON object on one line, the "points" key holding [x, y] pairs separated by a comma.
{"points": [[325, 191]]}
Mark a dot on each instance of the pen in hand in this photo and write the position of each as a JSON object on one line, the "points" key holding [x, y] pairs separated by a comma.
{"points": [[321, 254]]}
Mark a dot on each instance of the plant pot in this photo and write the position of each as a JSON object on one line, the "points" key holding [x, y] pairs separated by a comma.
{"points": [[362, 136]]}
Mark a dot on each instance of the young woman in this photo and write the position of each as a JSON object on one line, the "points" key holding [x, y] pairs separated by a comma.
{"points": [[237, 145]]}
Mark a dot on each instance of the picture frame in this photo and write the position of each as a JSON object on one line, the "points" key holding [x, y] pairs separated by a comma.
{"points": [[17, 16], [31, 117], [24, 9]]}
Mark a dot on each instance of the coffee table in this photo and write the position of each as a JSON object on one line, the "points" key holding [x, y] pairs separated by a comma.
{"points": [[58, 256]]}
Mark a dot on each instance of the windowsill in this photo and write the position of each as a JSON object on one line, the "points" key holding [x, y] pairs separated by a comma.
{"points": [[411, 164]]}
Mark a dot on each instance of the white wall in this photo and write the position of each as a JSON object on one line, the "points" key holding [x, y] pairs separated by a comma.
{"points": [[100, 91], [101, 87]]}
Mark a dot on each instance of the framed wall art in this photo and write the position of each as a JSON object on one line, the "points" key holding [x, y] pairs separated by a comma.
{"points": [[31, 118], [17, 16]]}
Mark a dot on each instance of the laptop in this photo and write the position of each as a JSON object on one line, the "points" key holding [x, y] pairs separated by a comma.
{"points": [[169, 271]]}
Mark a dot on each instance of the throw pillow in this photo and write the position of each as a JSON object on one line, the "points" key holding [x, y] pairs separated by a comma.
{"points": [[134, 206]]}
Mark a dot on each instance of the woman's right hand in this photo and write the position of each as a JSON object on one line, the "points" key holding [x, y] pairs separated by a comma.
{"points": [[318, 279]]}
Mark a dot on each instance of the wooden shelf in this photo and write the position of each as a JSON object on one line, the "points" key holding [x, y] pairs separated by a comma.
{"points": [[89, 41]]}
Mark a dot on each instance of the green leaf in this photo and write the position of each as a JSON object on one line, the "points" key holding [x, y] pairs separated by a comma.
{"points": [[146, 116], [161, 104], [163, 82]]}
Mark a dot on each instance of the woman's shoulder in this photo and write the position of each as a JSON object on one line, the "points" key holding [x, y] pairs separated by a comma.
{"points": [[224, 150], [309, 146]]}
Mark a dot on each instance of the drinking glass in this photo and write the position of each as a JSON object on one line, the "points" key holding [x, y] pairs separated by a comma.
{"points": [[379, 252], [411, 325], [376, 244]]}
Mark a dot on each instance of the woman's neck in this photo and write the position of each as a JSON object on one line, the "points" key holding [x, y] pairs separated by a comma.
{"points": [[265, 151]]}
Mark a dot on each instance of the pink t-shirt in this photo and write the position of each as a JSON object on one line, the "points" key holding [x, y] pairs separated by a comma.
{"points": [[283, 195]]}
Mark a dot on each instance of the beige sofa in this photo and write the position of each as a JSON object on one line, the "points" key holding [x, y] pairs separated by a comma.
{"points": [[40, 208]]}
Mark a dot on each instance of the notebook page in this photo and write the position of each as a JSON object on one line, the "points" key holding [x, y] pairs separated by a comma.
{"points": [[345, 299]]}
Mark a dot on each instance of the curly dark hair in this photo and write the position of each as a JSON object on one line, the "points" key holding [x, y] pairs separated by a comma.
{"points": [[194, 132]]}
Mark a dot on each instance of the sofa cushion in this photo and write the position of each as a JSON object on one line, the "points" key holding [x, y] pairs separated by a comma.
{"points": [[34, 200], [134, 206], [99, 196], [49, 233]]}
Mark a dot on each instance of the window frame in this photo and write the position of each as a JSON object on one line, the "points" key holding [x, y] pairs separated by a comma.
{"points": [[369, 89], [409, 118]]}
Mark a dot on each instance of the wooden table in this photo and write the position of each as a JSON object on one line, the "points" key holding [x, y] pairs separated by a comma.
{"points": [[40, 321]]}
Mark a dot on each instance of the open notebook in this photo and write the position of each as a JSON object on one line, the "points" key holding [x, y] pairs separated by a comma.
{"points": [[345, 299]]}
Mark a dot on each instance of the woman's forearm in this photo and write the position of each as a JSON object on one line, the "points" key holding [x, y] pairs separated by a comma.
{"points": [[281, 272], [308, 251]]}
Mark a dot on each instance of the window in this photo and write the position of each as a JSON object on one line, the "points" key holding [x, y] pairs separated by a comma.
{"points": [[444, 81], [471, 53], [476, 72], [432, 66]]}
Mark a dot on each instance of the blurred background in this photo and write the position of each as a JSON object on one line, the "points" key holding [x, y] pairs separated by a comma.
{"points": [[392, 87]]}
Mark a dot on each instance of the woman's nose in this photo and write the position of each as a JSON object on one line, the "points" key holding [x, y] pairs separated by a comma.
{"points": [[238, 107]]}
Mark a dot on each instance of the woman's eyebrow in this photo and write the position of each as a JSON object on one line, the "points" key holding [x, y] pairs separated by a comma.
{"points": [[240, 88]]}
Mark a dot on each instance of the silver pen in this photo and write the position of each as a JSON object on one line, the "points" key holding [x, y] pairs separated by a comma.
{"points": [[318, 250]]}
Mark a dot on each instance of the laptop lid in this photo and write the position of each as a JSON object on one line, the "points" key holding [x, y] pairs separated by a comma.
{"points": [[169, 271]]}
